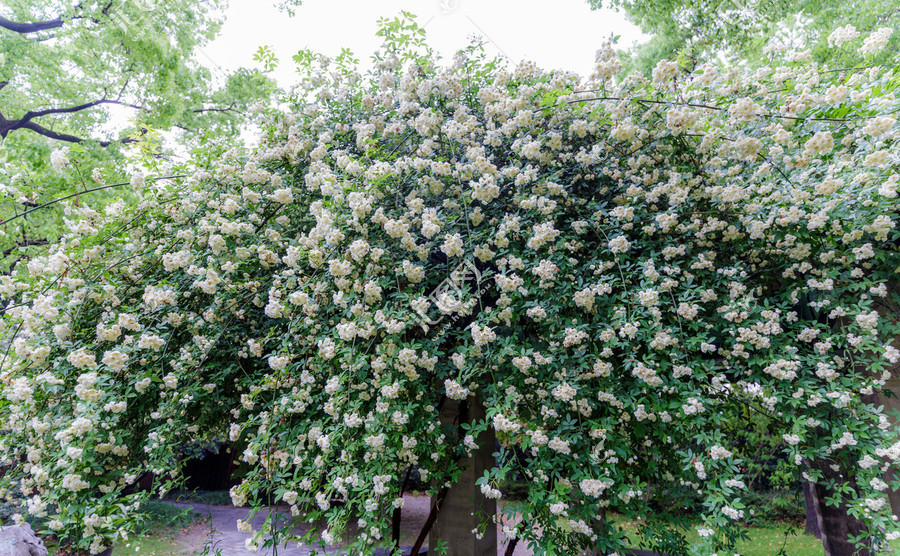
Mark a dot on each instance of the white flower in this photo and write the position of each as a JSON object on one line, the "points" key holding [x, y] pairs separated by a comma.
{"points": [[594, 487], [546, 270], [537, 313], [138, 180], [115, 360], [277, 363], [59, 159], [453, 245], [502, 424], [564, 392], [648, 298], [841, 35], [542, 234], [876, 41], [791, 439], [878, 125], [744, 109], [664, 71], [455, 391], [619, 244], [283, 196], [482, 335], [557, 444]]}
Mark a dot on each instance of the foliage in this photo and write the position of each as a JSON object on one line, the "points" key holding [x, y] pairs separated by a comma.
{"points": [[67, 68], [614, 268], [695, 31]]}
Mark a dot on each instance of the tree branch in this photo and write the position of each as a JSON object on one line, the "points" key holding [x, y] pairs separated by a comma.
{"points": [[24, 243], [37, 128], [31, 27], [30, 115], [26, 121], [79, 193], [226, 109]]}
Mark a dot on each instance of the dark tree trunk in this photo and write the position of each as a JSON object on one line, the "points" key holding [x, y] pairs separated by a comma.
{"points": [[835, 524], [812, 518]]}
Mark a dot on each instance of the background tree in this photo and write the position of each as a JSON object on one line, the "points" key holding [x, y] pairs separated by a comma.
{"points": [[698, 30]]}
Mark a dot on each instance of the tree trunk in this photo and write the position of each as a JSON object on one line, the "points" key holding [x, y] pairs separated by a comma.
{"points": [[813, 527], [835, 524], [465, 508], [891, 404]]}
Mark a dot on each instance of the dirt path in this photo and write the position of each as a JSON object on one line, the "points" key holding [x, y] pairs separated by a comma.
{"points": [[219, 536]]}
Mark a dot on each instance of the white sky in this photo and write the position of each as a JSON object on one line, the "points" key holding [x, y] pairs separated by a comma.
{"points": [[557, 34], [554, 34]]}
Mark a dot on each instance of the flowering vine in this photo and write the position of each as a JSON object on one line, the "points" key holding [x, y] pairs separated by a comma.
{"points": [[630, 260]]}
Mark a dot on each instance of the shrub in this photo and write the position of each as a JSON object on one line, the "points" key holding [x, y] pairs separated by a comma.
{"points": [[614, 268]]}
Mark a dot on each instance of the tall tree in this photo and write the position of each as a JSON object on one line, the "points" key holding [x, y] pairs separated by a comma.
{"points": [[94, 76], [697, 30]]}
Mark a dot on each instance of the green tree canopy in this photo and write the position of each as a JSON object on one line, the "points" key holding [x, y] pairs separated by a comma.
{"points": [[63, 65], [699, 30]]}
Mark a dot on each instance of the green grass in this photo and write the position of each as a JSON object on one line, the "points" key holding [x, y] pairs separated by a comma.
{"points": [[162, 524], [162, 517], [150, 545], [211, 497], [763, 540]]}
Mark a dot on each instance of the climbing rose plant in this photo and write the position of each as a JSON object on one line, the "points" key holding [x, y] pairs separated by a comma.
{"points": [[609, 265]]}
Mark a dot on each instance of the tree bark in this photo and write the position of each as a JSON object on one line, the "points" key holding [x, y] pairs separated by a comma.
{"points": [[887, 309], [465, 508], [813, 527], [835, 524]]}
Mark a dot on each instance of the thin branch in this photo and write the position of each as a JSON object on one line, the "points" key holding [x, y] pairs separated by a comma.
{"points": [[429, 522], [25, 243], [226, 109], [693, 105], [102, 187]]}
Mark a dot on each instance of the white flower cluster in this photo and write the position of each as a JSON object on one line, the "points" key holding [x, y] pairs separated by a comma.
{"points": [[646, 259]]}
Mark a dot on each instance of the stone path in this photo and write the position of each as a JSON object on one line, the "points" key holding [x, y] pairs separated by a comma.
{"points": [[220, 536]]}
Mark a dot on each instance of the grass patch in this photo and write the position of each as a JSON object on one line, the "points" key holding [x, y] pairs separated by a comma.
{"points": [[155, 535], [764, 540], [211, 497], [160, 517], [150, 545], [161, 525]]}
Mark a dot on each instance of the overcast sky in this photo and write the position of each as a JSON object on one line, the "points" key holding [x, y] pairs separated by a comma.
{"points": [[559, 34]]}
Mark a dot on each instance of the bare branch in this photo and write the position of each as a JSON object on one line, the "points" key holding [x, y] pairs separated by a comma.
{"points": [[24, 243], [30, 115], [31, 27], [37, 128], [26, 121], [226, 109]]}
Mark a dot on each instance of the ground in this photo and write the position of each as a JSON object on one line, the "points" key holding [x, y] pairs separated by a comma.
{"points": [[218, 535]]}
